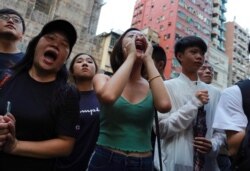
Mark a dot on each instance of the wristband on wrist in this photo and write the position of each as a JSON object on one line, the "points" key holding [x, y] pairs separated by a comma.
{"points": [[151, 79]]}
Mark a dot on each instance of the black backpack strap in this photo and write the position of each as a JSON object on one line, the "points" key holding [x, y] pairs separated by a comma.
{"points": [[242, 158], [245, 91]]}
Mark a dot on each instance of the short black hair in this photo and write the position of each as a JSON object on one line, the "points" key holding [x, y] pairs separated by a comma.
{"points": [[159, 54], [189, 41], [11, 11]]}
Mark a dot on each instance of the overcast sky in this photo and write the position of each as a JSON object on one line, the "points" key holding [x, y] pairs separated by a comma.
{"points": [[117, 14]]}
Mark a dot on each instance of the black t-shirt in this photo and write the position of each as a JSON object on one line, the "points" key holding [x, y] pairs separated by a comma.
{"points": [[87, 131], [42, 112]]}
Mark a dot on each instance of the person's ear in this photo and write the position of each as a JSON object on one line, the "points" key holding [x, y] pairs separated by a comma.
{"points": [[161, 65], [20, 36], [179, 56]]}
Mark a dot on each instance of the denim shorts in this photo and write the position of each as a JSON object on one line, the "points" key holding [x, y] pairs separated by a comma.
{"points": [[106, 160]]}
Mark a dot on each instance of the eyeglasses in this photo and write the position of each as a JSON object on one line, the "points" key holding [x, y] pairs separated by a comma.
{"points": [[52, 37], [15, 19]]}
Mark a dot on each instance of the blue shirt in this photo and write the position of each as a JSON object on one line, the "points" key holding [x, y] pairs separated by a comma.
{"points": [[8, 60]]}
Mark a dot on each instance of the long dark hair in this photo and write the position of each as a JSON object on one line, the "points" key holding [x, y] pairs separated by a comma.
{"points": [[117, 56], [61, 78]]}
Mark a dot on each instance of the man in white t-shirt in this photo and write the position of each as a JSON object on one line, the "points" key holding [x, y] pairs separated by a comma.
{"points": [[230, 116]]}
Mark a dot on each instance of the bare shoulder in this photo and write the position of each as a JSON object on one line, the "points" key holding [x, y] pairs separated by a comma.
{"points": [[100, 80], [101, 76]]}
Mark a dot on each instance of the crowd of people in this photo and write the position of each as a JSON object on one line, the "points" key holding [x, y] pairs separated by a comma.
{"points": [[54, 118]]}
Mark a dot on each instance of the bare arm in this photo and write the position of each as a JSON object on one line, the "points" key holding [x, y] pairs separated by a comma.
{"points": [[234, 140], [109, 89], [160, 94], [60, 146]]}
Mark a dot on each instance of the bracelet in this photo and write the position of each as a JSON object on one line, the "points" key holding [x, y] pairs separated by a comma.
{"points": [[151, 79]]}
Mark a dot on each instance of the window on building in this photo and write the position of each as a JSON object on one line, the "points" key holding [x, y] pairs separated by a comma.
{"points": [[179, 25], [182, 15], [112, 42], [171, 14], [215, 75], [43, 6], [161, 27], [182, 2], [164, 7], [150, 38], [177, 36], [167, 36], [29, 10]]}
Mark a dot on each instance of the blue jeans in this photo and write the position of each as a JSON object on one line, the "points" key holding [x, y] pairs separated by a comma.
{"points": [[106, 160], [224, 162]]}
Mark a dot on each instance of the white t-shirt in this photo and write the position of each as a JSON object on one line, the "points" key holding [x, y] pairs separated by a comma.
{"points": [[229, 114]]}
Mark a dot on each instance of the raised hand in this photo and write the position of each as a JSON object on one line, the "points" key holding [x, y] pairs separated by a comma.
{"points": [[203, 96], [129, 48], [148, 52], [11, 140]]}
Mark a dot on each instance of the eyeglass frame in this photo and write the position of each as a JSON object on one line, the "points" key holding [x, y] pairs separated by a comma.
{"points": [[14, 18], [203, 68], [51, 37]]}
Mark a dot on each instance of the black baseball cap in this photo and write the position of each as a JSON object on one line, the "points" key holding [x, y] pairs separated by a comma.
{"points": [[11, 11], [62, 26]]}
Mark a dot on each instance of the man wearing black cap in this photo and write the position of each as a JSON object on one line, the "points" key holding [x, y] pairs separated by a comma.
{"points": [[40, 124], [12, 28]]}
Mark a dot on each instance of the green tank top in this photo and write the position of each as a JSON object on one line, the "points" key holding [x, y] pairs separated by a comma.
{"points": [[127, 127]]}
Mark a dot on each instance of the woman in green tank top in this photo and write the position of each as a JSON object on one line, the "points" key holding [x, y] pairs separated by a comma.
{"points": [[127, 106]]}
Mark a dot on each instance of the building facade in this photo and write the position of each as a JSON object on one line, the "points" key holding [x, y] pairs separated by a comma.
{"points": [[216, 48], [219, 61], [83, 14], [173, 19], [218, 24], [105, 43], [237, 51], [104, 46]]}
